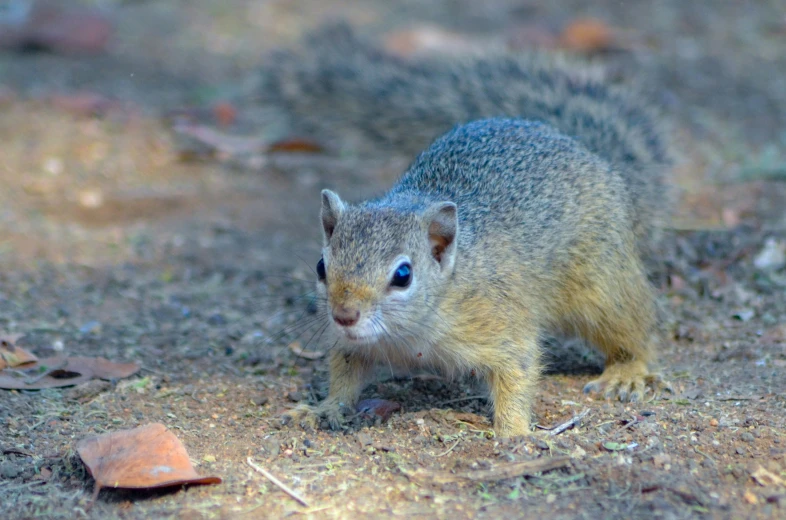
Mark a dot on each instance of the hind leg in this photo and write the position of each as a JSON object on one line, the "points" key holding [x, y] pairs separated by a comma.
{"points": [[616, 313]]}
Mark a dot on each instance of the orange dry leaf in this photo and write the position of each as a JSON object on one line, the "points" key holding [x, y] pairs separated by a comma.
{"points": [[587, 35], [11, 355], [146, 457]]}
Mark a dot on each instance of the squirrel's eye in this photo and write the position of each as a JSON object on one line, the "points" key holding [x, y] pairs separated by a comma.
{"points": [[321, 270], [403, 276]]}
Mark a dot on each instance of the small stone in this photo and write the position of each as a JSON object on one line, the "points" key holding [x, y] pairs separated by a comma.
{"points": [[91, 327], [295, 396], [713, 422], [551, 498], [9, 471], [747, 437], [740, 450], [216, 320], [750, 498], [260, 400], [772, 257]]}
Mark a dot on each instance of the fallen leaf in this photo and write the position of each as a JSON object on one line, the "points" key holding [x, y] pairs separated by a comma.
{"points": [[225, 113], [378, 407], [62, 371], [614, 446], [150, 456], [587, 35], [295, 146], [12, 356], [102, 368]]}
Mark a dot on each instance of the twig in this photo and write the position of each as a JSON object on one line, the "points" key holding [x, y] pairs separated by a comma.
{"points": [[286, 489], [460, 399], [17, 451], [739, 398], [515, 469], [556, 430], [449, 449]]}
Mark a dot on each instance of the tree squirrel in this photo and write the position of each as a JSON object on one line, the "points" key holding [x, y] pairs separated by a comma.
{"points": [[532, 216]]}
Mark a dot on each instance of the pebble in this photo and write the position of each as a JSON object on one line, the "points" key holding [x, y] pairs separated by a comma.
{"points": [[740, 450], [747, 437], [9, 471]]}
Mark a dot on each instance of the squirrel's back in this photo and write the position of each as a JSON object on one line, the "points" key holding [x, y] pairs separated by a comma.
{"points": [[340, 85]]}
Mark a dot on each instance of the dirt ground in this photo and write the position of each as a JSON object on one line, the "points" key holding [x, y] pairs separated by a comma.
{"points": [[116, 241]]}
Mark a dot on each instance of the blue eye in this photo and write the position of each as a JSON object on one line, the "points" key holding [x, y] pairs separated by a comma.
{"points": [[403, 276]]}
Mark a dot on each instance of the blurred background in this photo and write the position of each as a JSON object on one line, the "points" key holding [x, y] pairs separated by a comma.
{"points": [[120, 113], [152, 209]]}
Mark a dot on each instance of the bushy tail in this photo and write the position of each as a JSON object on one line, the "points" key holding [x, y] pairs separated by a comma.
{"points": [[339, 85]]}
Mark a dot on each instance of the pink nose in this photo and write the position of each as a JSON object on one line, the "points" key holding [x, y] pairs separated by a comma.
{"points": [[345, 317]]}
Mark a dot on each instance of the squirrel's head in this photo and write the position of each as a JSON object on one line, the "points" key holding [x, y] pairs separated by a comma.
{"points": [[382, 266]]}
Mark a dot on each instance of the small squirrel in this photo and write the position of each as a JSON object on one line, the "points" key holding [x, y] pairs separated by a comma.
{"points": [[533, 216]]}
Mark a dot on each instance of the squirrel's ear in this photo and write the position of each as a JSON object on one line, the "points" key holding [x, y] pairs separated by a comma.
{"points": [[332, 206], [442, 221]]}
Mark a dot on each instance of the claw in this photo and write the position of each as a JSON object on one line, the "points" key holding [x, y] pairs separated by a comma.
{"points": [[308, 417], [590, 387], [628, 382]]}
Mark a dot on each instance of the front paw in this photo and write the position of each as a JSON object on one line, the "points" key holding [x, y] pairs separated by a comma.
{"points": [[629, 381], [310, 416]]}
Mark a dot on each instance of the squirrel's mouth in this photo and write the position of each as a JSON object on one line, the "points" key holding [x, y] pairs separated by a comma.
{"points": [[357, 337], [358, 334]]}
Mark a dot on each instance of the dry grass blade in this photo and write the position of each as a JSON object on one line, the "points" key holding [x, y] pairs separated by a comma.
{"points": [[501, 472], [286, 489], [297, 349]]}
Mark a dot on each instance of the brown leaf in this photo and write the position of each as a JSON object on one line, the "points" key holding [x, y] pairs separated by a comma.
{"points": [[380, 407], [295, 146], [102, 368], [61, 371], [225, 113], [146, 457], [587, 35], [11, 355]]}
